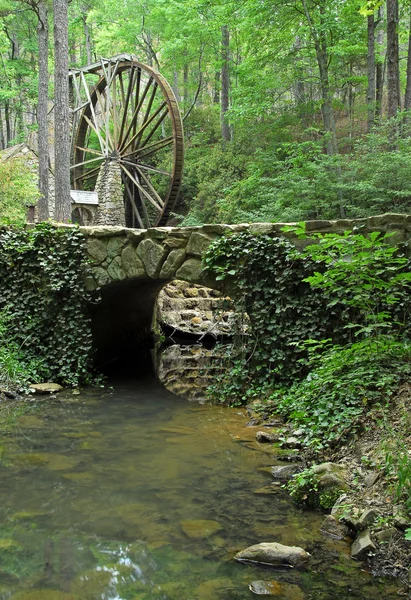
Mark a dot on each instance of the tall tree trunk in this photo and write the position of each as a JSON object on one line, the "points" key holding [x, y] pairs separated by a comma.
{"points": [[321, 50], [61, 113], [371, 73], [7, 120], [87, 36], [393, 72], [2, 140], [216, 95], [380, 66], [407, 98], [175, 86], [299, 90], [42, 109], [225, 82]]}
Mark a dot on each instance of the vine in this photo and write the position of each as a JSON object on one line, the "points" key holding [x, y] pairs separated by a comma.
{"points": [[267, 275], [43, 302]]}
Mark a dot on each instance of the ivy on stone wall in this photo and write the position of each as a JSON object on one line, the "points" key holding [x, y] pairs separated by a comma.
{"points": [[43, 300], [266, 275]]}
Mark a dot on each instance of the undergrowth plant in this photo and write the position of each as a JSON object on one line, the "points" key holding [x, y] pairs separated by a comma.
{"points": [[331, 320], [45, 331]]}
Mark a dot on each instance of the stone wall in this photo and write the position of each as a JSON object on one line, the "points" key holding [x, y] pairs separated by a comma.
{"points": [[166, 253], [110, 210], [194, 309], [131, 266]]}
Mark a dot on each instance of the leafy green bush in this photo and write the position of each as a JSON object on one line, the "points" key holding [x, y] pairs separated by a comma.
{"points": [[284, 310], [45, 328], [18, 190], [342, 385]]}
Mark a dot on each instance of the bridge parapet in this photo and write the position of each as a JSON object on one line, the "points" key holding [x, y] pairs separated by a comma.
{"points": [[166, 253]]}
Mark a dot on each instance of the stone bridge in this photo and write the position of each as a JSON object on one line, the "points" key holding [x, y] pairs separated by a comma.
{"points": [[130, 266]]}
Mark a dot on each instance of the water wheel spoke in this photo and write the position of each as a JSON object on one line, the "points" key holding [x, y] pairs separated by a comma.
{"points": [[87, 175], [152, 132], [86, 162], [142, 152], [90, 150], [103, 102], [133, 204], [150, 187], [141, 188], [133, 122], [137, 136], [152, 169], [91, 105], [128, 96]]}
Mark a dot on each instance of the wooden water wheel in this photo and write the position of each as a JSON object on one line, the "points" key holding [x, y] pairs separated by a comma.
{"points": [[126, 111]]}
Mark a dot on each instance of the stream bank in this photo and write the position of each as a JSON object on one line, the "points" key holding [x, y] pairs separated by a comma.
{"points": [[366, 473]]}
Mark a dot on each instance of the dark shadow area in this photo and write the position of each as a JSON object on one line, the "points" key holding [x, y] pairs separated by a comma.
{"points": [[121, 326]]}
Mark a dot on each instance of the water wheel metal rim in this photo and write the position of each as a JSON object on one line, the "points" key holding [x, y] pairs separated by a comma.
{"points": [[119, 140]]}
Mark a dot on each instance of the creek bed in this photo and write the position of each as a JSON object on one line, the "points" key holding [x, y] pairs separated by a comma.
{"points": [[135, 494]]}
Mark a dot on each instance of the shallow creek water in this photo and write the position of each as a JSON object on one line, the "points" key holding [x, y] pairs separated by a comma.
{"points": [[136, 494]]}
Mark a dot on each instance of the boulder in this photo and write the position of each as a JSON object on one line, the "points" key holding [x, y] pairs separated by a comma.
{"points": [[284, 472], [264, 437], [200, 529], [362, 545], [272, 553], [367, 518], [386, 535], [190, 270], [45, 388], [332, 528]]}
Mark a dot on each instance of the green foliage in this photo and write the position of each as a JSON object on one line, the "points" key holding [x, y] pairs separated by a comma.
{"points": [[351, 291], [283, 309], [304, 489], [398, 468], [343, 384], [43, 300], [18, 190]]}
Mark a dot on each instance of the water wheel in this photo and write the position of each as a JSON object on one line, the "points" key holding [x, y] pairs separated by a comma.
{"points": [[126, 111]]}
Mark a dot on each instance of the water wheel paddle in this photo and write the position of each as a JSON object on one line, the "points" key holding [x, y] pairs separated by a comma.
{"points": [[125, 111]]}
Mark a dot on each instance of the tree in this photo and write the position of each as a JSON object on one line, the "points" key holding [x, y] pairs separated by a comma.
{"points": [[42, 110], [61, 113], [393, 72]]}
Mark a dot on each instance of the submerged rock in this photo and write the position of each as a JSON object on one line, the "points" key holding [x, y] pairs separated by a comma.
{"points": [[199, 529], [273, 553], [332, 528], [277, 588]]}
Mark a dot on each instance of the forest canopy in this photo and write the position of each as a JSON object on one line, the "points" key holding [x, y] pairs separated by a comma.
{"points": [[292, 109]]}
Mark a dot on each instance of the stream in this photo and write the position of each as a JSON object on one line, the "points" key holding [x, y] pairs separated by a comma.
{"points": [[132, 493]]}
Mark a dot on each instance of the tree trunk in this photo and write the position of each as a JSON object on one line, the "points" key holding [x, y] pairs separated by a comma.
{"points": [[7, 120], [320, 43], [42, 109], [61, 113], [371, 73], [225, 82], [407, 99], [2, 140], [393, 73], [379, 67], [216, 95], [87, 36]]}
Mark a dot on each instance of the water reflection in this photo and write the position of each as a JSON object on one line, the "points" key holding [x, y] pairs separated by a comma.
{"points": [[136, 494]]}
